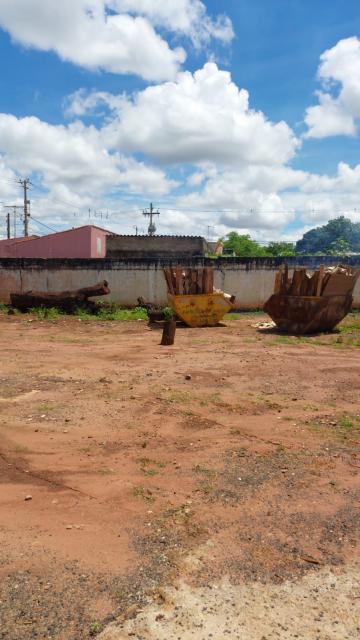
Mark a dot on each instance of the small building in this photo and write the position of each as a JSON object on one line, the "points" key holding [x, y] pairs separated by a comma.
{"points": [[121, 246], [7, 247], [88, 241]]}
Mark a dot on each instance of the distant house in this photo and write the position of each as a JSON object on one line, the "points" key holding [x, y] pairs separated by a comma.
{"points": [[177, 247], [82, 242], [7, 246]]}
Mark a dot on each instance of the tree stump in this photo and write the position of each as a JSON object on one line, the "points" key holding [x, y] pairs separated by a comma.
{"points": [[168, 335]]}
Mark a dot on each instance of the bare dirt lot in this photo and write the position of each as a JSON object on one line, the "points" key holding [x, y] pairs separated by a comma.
{"points": [[229, 461]]}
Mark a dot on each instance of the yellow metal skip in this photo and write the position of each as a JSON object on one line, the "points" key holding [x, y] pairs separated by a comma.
{"points": [[201, 310]]}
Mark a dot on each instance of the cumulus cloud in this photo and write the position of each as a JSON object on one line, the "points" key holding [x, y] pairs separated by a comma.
{"points": [[197, 118], [85, 33], [74, 157], [339, 101], [187, 17]]}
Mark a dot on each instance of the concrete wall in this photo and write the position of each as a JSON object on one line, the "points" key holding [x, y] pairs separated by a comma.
{"points": [[121, 247], [251, 280]]}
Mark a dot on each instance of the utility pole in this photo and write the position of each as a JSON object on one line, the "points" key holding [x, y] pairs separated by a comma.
{"points": [[25, 185], [151, 213], [8, 225], [14, 208], [209, 226]]}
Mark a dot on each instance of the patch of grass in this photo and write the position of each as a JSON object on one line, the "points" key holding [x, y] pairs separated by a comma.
{"points": [[107, 472], [350, 324], [138, 491], [212, 398], [204, 471], [44, 313], [289, 340], [94, 628], [207, 480], [343, 427], [232, 316], [281, 449], [175, 396], [114, 313], [46, 407], [85, 449], [346, 422], [3, 308], [145, 462], [20, 448], [150, 467]]}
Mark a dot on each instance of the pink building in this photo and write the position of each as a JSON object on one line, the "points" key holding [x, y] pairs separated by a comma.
{"points": [[83, 242]]}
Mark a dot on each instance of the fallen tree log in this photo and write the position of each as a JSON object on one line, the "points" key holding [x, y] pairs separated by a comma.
{"points": [[65, 300]]}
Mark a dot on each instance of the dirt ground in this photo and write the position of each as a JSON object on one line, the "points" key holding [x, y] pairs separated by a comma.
{"points": [[140, 482]]}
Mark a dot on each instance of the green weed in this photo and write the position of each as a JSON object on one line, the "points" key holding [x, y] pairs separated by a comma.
{"points": [[3, 308], [140, 492], [204, 471], [150, 467], [342, 428], [45, 407], [94, 628], [19, 448], [113, 313], [45, 313]]}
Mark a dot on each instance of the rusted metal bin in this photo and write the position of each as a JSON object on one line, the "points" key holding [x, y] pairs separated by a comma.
{"points": [[307, 314]]}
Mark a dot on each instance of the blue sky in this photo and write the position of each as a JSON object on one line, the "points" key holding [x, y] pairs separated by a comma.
{"points": [[245, 118]]}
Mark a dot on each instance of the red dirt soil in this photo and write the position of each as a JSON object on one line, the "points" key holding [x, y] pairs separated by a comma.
{"points": [[135, 453]]}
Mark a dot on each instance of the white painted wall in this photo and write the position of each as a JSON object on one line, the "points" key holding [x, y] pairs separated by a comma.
{"points": [[251, 286]]}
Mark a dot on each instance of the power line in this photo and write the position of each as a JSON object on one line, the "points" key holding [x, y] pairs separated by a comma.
{"points": [[44, 225]]}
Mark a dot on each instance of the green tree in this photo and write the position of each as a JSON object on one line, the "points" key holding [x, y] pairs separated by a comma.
{"points": [[243, 246], [323, 240], [339, 248], [280, 249]]}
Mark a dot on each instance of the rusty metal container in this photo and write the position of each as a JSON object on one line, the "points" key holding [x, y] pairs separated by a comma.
{"points": [[307, 314]]}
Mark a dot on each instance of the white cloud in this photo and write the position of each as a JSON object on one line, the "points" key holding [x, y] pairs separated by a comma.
{"points": [[8, 188], [74, 157], [80, 103], [200, 117], [339, 71], [188, 17], [246, 198], [84, 33]]}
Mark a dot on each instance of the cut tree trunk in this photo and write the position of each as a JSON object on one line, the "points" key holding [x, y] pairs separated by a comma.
{"points": [[168, 335], [66, 300]]}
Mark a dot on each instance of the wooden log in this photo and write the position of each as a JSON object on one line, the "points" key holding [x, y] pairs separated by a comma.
{"points": [[200, 276], [168, 335], [320, 280], [178, 279], [297, 282], [168, 278], [194, 281], [305, 284], [66, 300], [100, 289], [278, 283], [208, 280], [188, 281], [313, 284]]}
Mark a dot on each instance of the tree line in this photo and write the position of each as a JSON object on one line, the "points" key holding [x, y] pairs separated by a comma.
{"points": [[338, 237]]}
